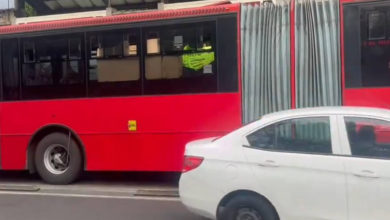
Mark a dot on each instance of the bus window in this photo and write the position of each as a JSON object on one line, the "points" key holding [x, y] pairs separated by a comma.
{"points": [[227, 54], [10, 60], [367, 45], [376, 25], [52, 67], [114, 64], [181, 59]]}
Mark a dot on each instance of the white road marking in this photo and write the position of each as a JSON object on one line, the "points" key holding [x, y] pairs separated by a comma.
{"points": [[90, 196]]}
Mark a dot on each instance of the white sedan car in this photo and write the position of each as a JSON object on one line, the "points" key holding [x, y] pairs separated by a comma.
{"points": [[307, 164]]}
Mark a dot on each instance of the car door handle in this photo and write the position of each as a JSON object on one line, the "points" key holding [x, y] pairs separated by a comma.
{"points": [[268, 163], [366, 174]]}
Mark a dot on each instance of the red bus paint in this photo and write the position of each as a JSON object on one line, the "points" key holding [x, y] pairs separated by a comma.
{"points": [[239, 57], [165, 123], [292, 52], [342, 51], [372, 97]]}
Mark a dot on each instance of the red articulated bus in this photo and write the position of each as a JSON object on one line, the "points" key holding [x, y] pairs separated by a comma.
{"points": [[127, 92], [118, 93]]}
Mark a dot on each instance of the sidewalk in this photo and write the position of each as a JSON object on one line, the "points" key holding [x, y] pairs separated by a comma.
{"points": [[123, 184]]}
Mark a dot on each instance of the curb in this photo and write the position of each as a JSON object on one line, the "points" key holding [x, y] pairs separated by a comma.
{"points": [[157, 193], [167, 193], [21, 188]]}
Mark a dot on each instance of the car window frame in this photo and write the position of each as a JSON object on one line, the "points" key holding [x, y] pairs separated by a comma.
{"points": [[335, 139], [344, 140]]}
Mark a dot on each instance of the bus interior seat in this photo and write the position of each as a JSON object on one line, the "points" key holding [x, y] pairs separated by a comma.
{"points": [[118, 70], [153, 68], [172, 67]]}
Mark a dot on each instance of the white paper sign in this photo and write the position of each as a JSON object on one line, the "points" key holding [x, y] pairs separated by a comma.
{"points": [[178, 42], [208, 69]]}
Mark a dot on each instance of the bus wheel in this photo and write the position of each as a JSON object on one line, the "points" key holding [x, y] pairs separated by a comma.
{"points": [[58, 159]]}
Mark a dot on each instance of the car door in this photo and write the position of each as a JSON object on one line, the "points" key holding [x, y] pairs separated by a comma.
{"points": [[367, 141], [296, 170]]}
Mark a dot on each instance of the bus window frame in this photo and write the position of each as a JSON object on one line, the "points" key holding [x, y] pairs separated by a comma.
{"points": [[360, 3], [141, 25], [120, 31], [80, 60], [181, 26]]}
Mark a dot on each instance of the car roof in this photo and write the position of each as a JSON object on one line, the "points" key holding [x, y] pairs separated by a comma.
{"points": [[358, 111]]}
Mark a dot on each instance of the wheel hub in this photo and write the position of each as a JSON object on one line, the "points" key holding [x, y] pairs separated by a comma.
{"points": [[56, 159], [248, 214]]}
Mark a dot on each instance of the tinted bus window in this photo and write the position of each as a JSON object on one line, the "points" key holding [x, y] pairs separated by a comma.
{"points": [[10, 64], [227, 54], [114, 63], [367, 45], [181, 59], [53, 67]]}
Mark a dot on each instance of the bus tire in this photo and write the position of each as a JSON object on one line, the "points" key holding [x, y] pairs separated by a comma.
{"points": [[58, 159]]}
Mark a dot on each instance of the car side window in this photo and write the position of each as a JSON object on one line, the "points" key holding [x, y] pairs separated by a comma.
{"points": [[304, 135], [263, 138], [368, 137]]}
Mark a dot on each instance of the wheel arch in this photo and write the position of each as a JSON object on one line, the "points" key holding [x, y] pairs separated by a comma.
{"points": [[41, 133], [228, 197]]}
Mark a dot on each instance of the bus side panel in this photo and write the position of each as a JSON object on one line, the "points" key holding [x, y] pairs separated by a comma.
{"points": [[164, 125], [14, 151], [13, 148], [138, 152], [371, 97]]}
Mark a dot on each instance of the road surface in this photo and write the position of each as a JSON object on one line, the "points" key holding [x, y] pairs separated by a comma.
{"points": [[97, 196], [52, 207]]}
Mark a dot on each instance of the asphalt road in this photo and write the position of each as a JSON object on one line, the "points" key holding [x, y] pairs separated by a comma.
{"points": [[49, 207], [96, 196]]}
